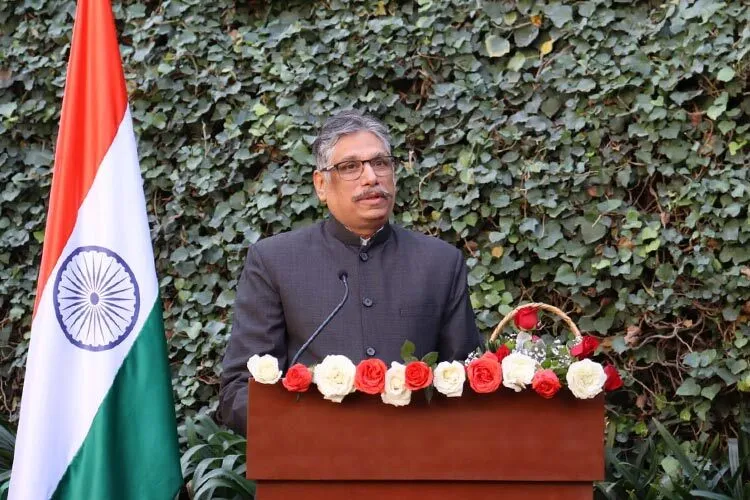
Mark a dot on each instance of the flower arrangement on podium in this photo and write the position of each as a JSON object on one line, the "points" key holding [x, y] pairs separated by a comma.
{"points": [[517, 360]]}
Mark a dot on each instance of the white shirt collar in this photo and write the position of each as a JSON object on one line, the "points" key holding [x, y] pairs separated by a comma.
{"points": [[365, 241]]}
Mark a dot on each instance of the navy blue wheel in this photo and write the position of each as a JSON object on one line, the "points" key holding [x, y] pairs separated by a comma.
{"points": [[96, 298]]}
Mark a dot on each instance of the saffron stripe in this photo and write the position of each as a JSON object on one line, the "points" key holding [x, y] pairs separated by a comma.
{"points": [[93, 107]]}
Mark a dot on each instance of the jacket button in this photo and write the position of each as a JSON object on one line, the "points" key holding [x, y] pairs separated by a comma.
{"points": [[370, 351], [363, 256], [367, 302]]}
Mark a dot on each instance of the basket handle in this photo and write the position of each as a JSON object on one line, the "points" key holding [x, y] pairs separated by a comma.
{"points": [[538, 305]]}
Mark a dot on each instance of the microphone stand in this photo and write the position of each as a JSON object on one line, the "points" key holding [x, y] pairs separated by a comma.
{"points": [[342, 277]]}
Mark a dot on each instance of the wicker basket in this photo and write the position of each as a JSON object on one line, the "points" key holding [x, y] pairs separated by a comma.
{"points": [[537, 305]]}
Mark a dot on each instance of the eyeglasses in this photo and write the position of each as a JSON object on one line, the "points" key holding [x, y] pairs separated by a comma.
{"points": [[351, 170]]}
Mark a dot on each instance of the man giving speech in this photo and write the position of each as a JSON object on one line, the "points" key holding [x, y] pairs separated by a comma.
{"points": [[392, 284]]}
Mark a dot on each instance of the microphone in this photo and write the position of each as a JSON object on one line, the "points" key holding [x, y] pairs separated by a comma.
{"points": [[342, 276]]}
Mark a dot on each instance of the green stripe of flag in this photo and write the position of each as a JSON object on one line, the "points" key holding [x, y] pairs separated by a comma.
{"points": [[131, 449]]}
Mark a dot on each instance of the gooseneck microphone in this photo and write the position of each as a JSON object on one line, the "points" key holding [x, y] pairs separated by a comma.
{"points": [[342, 276]]}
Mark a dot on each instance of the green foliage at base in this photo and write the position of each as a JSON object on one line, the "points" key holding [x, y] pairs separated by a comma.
{"points": [[214, 464], [676, 471], [7, 446]]}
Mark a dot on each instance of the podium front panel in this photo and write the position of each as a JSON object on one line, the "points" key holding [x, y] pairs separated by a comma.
{"points": [[503, 436], [434, 490]]}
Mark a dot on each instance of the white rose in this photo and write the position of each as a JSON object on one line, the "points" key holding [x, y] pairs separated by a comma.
{"points": [[396, 393], [334, 377], [264, 369], [585, 379], [518, 370], [449, 378]]}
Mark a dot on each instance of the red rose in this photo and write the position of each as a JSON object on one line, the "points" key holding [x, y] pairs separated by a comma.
{"points": [[370, 376], [501, 352], [418, 375], [585, 347], [297, 378], [545, 383], [613, 378], [484, 374], [526, 318]]}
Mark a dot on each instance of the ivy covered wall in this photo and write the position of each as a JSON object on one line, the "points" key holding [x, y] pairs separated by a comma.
{"points": [[590, 154]]}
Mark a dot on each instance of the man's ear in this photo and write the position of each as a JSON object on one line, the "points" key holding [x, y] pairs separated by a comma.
{"points": [[320, 183]]}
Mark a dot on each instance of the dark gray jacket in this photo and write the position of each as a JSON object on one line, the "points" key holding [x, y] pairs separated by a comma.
{"points": [[403, 286]]}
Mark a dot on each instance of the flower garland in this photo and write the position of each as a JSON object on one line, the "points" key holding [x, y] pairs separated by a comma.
{"points": [[518, 361]]}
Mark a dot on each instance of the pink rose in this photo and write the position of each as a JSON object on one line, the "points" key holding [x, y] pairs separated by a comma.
{"points": [[370, 376], [297, 378], [546, 383], [484, 374], [418, 375]]}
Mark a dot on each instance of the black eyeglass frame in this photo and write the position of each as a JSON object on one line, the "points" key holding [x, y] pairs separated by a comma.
{"points": [[336, 167]]}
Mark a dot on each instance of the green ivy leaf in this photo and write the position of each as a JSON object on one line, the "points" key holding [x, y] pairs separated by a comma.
{"points": [[692, 359], [496, 46], [689, 388], [407, 350], [467, 176], [7, 109], [180, 255], [725, 74], [718, 107], [592, 232], [565, 275], [516, 62], [525, 35], [430, 358], [260, 110], [711, 391], [194, 329], [559, 14], [214, 327]]}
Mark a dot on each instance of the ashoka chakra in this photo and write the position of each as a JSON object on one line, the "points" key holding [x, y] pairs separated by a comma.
{"points": [[96, 298]]}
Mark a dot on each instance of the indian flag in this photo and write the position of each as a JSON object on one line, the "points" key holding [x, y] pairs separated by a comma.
{"points": [[97, 413]]}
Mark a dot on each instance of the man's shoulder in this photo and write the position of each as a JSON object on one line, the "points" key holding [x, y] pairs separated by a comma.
{"points": [[288, 239], [426, 243]]}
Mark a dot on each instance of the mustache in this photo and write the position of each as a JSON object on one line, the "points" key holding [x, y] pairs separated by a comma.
{"points": [[376, 191]]}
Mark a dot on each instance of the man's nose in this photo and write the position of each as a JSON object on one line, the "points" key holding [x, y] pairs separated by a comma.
{"points": [[368, 174]]}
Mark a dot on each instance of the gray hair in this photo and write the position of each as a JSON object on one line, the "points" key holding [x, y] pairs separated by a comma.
{"points": [[343, 123]]}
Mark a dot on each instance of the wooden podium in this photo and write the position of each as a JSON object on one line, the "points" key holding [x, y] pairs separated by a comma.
{"points": [[503, 445]]}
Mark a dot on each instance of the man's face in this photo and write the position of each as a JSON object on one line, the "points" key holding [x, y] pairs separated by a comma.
{"points": [[363, 205]]}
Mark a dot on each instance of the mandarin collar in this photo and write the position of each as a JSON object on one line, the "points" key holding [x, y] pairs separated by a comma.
{"points": [[341, 233]]}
